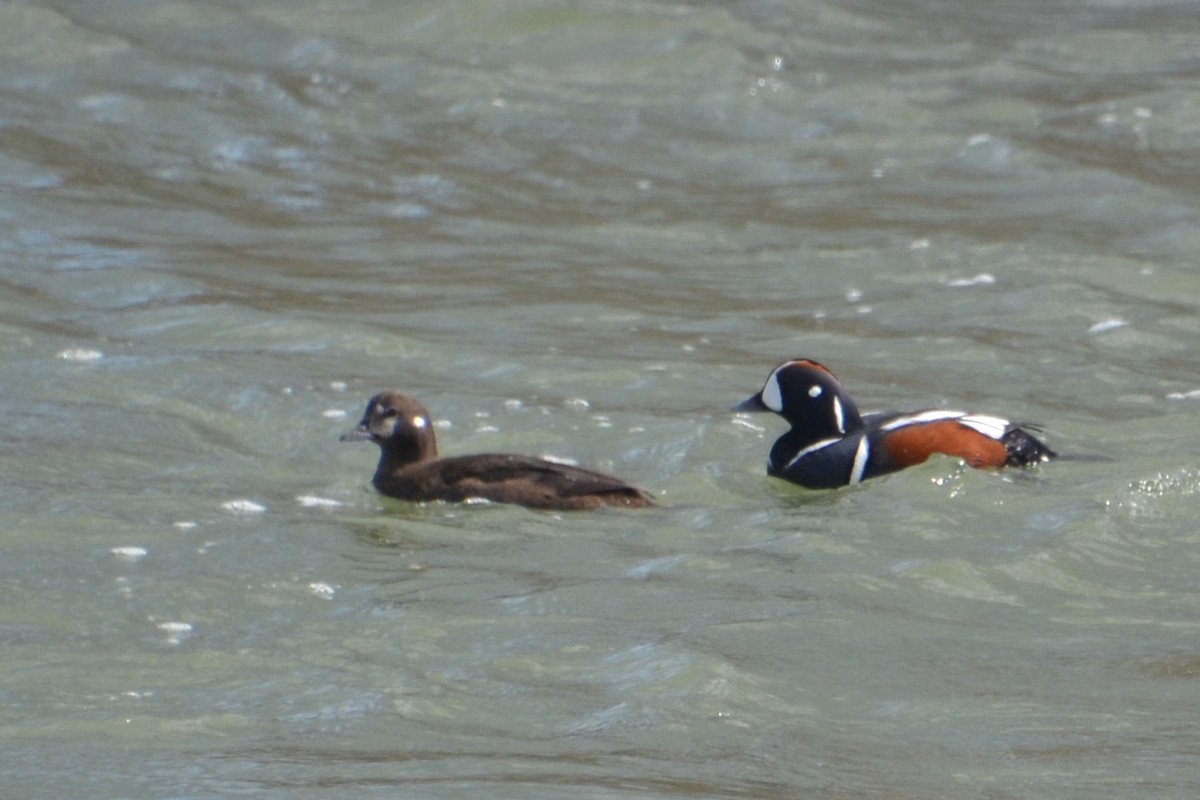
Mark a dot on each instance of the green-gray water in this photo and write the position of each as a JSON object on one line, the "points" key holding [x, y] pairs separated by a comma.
{"points": [[585, 230]]}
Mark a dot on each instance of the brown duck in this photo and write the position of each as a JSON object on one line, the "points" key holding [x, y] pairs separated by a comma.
{"points": [[409, 467]]}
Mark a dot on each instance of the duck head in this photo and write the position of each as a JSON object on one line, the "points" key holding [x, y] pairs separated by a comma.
{"points": [[398, 424], [809, 397]]}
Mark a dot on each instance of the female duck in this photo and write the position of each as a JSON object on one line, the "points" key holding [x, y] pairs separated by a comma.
{"points": [[409, 467]]}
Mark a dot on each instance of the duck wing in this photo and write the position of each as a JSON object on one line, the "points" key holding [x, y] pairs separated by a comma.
{"points": [[532, 482]]}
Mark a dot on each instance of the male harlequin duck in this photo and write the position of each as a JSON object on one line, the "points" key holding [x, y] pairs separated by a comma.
{"points": [[409, 467], [831, 444]]}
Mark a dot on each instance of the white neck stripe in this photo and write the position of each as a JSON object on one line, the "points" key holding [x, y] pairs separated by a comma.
{"points": [[812, 448], [861, 455]]}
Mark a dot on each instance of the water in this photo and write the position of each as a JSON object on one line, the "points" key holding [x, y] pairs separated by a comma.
{"points": [[585, 232]]}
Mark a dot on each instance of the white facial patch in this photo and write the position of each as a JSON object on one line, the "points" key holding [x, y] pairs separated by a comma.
{"points": [[419, 422], [814, 391], [772, 396]]}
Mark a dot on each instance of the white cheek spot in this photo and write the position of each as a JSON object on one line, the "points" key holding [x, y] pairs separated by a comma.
{"points": [[814, 391], [419, 422], [772, 396]]}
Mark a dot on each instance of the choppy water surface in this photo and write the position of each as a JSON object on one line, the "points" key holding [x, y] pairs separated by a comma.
{"points": [[585, 231]]}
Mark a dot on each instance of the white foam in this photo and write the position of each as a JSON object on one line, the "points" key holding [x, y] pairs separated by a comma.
{"points": [[742, 422], [243, 506], [176, 631], [1107, 325], [312, 501], [131, 553], [80, 354], [982, 279]]}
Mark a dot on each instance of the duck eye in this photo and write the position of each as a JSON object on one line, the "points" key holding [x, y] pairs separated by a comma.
{"points": [[390, 413]]}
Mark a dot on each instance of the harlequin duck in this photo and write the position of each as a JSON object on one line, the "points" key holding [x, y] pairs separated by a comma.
{"points": [[409, 467], [831, 444]]}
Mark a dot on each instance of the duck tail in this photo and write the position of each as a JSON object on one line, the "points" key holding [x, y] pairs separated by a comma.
{"points": [[1023, 448]]}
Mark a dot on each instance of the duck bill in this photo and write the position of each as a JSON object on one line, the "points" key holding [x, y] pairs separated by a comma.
{"points": [[751, 403], [360, 434]]}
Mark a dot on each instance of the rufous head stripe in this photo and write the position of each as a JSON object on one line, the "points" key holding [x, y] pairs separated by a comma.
{"points": [[807, 362]]}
